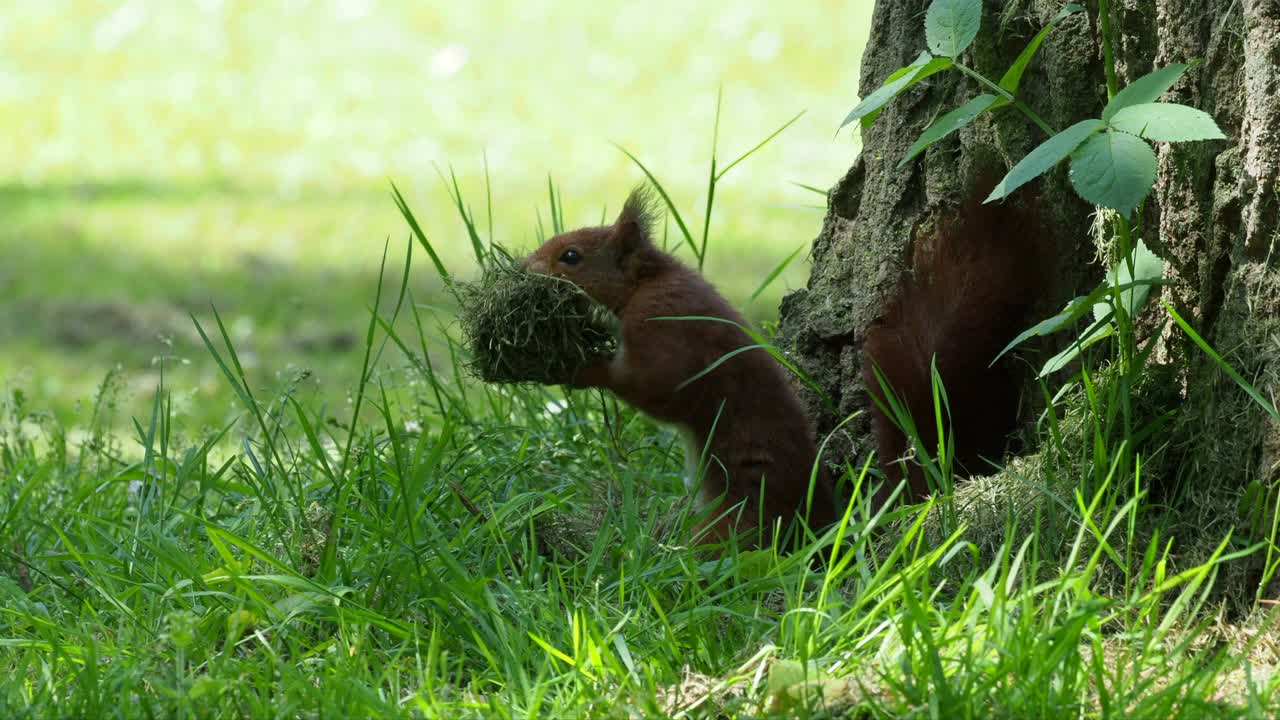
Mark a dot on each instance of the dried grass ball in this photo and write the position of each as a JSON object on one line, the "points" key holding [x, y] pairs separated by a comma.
{"points": [[522, 327]]}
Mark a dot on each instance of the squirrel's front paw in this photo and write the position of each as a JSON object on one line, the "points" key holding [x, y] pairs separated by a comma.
{"points": [[591, 376]]}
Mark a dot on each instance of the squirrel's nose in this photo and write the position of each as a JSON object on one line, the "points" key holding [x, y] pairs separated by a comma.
{"points": [[535, 265]]}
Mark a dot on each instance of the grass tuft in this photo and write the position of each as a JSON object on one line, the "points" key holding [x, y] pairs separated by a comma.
{"points": [[523, 327], [442, 548]]}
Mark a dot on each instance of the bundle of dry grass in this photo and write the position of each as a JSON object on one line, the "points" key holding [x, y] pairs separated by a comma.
{"points": [[526, 328]]}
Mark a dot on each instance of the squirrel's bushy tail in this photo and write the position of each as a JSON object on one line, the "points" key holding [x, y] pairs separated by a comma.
{"points": [[972, 284]]}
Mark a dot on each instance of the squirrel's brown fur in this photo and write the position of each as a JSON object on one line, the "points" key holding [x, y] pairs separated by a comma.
{"points": [[760, 451]]}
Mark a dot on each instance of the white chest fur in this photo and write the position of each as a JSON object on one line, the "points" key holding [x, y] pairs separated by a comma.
{"points": [[619, 361], [692, 449]]}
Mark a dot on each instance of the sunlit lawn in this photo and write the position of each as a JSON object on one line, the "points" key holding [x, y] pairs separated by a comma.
{"points": [[161, 157], [461, 550]]}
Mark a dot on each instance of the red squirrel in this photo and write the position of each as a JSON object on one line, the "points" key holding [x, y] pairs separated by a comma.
{"points": [[759, 450], [969, 291]]}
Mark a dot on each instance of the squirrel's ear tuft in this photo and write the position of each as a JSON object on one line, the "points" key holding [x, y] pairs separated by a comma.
{"points": [[637, 219]]}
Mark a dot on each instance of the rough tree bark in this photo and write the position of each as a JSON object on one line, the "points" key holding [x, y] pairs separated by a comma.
{"points": [[1213, 216]]}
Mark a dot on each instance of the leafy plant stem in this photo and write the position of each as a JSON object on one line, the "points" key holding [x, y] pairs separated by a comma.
{"points": [[995, 88], [1125, 322], [1127, 346], [1108, 54], [1126, 342]]}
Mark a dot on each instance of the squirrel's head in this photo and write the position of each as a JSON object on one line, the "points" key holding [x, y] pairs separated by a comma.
{"points": [[607, 262]]}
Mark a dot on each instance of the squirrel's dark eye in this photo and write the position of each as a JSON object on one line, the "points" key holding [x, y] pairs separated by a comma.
{"points": [[571, 257]]}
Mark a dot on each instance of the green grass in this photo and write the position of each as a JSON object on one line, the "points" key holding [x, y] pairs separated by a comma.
{"points": [[480, 551], [316, 513], [166, 157]]}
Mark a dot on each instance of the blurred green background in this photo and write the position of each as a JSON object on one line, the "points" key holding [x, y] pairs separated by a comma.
{"points": [[158, 157]]}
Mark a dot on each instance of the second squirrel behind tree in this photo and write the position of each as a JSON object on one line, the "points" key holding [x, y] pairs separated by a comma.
{"points": [[968, 291]]}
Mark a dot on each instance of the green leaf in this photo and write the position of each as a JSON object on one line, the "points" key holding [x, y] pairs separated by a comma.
{"points": [[949, 123], [1146, 89], [761, 342], [933, 66], [1098, 331], [793, 687], [951, 25], [1147, 268], [924, 58], [773, 274], [759, 145], [666, 199], [718, 362], [1043, 158], [1231, 372], [900, 80], [1074, 310], [419, 234], [785, 674], [811, 188], [1114, 170], [1013, 76], [1166, 122]]}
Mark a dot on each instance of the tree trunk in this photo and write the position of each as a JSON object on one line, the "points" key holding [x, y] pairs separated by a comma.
{"points": [[1212, 216]]}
